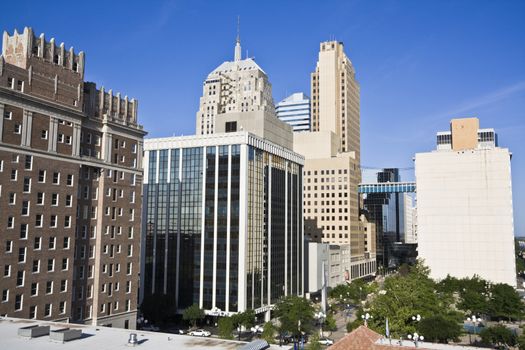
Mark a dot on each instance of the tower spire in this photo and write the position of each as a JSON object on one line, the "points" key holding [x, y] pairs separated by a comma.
{"points": [[237, 56]]}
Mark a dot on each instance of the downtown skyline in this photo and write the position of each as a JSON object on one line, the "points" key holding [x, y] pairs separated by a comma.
{"points": [[418, 64]]}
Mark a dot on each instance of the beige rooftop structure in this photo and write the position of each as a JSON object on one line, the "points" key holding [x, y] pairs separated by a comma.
{"points": [[464, 133]]}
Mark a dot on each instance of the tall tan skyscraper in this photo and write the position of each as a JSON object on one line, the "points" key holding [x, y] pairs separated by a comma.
{"points": [[332, 161], [335, 97]]}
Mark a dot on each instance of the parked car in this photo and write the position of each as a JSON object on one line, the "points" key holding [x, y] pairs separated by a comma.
{"points": [[200, 333], [326, 341], [176, 331], [150, 328]]}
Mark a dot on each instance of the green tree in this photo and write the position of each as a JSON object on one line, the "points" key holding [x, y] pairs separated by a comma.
{"points": [[268, 333], [243, 319], [499, 336], [157, 308], [192, 314], [405, 296], [439, 329], [292, 309], [505, 302], [329, 323], [226, 327]]}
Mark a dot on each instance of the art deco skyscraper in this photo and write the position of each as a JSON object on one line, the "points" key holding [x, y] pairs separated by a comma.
{"points": [[234, 86], [332, 160], [335, 97]]}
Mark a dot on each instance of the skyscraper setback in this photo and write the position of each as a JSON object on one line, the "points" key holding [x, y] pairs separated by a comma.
{"points": [[332, 160], [70, 188]]}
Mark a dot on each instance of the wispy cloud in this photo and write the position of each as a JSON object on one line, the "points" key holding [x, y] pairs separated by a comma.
{"points": [[480, 101]]}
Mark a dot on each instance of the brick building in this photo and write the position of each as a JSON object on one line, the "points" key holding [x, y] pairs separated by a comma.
{"points": [[70, 189]]}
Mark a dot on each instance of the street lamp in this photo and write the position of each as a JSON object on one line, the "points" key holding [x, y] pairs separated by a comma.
{"points": [[256, 329], [320, 316], [416, 318], [416, 337], [366, 317], [474, 321]]}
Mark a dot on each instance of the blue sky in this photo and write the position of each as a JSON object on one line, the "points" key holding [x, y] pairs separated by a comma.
{"points": [[419, 63]]}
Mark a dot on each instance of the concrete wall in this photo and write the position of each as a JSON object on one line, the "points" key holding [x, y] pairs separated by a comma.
{"points": [[465, 215]]}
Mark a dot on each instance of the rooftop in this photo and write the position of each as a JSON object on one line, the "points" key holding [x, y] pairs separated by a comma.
{"points": [[104, 338], [364, 338]]}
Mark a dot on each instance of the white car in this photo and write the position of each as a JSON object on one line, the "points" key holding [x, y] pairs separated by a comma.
{"points": [[326, 341], [150, 328], [200, 333]]}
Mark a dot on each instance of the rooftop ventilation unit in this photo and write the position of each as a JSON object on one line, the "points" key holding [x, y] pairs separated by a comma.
{"points": [[132, 341], [33, 331], [65, 334]]}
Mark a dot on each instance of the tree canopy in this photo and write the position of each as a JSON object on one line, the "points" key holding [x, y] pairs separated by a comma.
{"points": [[439, 329], [192, 314], [292, 309], [499, 336]]}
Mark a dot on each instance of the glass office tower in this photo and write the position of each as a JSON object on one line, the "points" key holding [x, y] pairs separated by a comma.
{"points": [[222, 222]]}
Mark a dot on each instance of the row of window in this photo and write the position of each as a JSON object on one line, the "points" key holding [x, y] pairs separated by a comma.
{"points": [[37, 243], [48, 308]]}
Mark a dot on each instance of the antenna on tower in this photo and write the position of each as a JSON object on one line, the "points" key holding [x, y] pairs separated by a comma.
{"points": [[238, 28]]}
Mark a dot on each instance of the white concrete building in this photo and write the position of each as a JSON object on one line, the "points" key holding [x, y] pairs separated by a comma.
{"points": [[234, 86], [295, 111], [464, 205]]}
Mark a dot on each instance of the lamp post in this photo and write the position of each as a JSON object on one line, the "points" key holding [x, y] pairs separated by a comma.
{"points": [[256, 330], [320, 316], [416, 318], [474, 321], [416, 337], [366, 317]]}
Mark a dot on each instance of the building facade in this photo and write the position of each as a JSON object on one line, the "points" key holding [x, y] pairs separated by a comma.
{"points": [[332, 169], [70, 189], [464, 205], [234, 86], [335, 92], [222, 222], [295, 111]]}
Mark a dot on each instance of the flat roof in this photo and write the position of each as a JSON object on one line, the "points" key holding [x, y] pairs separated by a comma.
{"points": [[106, 338]]}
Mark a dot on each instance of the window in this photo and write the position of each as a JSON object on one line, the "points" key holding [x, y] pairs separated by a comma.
{"points": [[20, 279], [36, 266], [47, 308], [52, 242], [25, 208], [54, 199], [41, 176], [32, 312], [5, 295], [128, 268], [66, 243], [27, 184], [28, 165], [60, 138], [69, 200], [19, 302], [43, 134], [17, 129], [56, 178], [64, 263], [8, 115], [14, 174], [231, 126], [68, 140], [69, 181], [50, 265], [10, 222], [12, 198], [37, 243], [22, 255], [8, 246], [40, 198], [23, 231], [20, 85], [39, 220], [53, 221], [130, 250], [62, 307]]}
